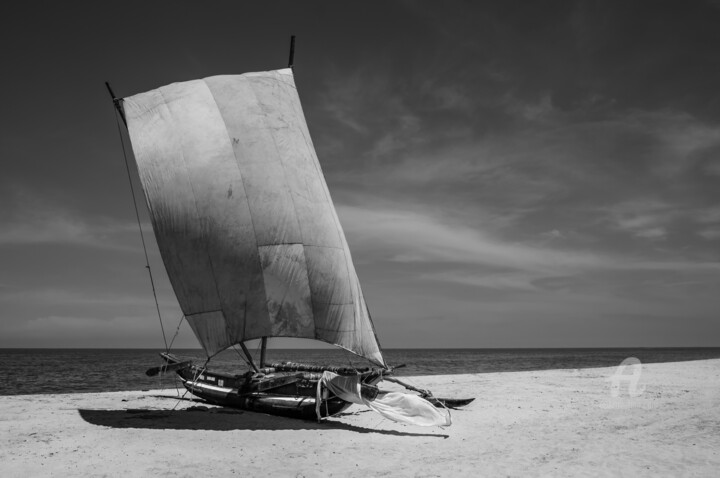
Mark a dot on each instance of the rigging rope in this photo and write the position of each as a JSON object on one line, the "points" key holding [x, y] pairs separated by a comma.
{"points": [[242, 356], [142, 236], [198, 372], [177, 330], [348, 357]]}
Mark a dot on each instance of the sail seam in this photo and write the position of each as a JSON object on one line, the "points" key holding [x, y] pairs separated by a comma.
{"points": [[195, 203], [343, 242], [318, 170], [282, 163], [247, 200], [328, 199], [292, 199]]}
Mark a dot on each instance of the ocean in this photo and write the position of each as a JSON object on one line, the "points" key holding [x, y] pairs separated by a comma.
{"points": [[37, 371]]}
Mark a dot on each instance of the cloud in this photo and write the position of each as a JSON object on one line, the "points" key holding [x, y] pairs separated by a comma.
{"points": [[593, 133], [439, 269], [680, 138], [596, 173], [710, 233], [389, 128], [340, 98], [449, 97], [33, 220], [710, 215], [644, 217], [413, 237], [652, 233], [532, 111], [651, 218], [79, 331], [65, 228], [713, 168], [56, 297], [498, 282]]}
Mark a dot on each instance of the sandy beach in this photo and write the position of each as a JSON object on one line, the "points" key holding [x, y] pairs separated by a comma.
{"points": [[546, 423]]}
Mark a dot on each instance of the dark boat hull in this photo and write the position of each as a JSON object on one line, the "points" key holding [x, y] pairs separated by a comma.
{"points": [[287, 390], [294, 406], [287, 394]]}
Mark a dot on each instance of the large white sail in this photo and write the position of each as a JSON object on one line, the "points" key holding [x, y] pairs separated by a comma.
{"points": [[242, 214]]}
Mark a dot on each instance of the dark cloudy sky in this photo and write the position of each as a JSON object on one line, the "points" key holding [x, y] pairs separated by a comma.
{"points": [[508, 174]]}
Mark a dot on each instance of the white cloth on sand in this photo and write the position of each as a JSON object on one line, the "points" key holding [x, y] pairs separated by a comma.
{"points": [[397, 406]]}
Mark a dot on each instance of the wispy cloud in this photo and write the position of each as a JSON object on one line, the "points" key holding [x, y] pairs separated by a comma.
{"points": [[341, 97], [56, 296], [497, 281], [413, 237], [38, 221], [709, 215], [373, 107], [65, 228], [83, 331], [713, 167], [652, 233], [643, 217], [710, 233], [588, 172], [440, 268]]}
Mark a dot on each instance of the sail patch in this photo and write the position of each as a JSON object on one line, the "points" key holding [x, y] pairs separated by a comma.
{"points": [[287, 290]]}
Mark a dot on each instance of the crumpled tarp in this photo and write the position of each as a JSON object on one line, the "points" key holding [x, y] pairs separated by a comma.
{"points": [[396, 406]]}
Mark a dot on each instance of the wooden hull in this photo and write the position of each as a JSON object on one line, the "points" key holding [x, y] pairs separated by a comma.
{"points": [[294, 406], [287, 394]]}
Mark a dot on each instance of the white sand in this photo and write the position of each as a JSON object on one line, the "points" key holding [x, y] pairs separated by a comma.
{"points": [[549, 423]]}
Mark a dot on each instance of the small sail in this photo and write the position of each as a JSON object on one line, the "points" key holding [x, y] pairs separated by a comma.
{"points": [[242, 214]]}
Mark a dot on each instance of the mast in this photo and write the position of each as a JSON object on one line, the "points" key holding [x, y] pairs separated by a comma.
{"points": [[263, 346], [116, 102], [264, 339], [249, 357], [292, 52]]}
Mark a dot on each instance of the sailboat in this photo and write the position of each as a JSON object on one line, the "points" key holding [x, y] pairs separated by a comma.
{"points": [[253, 246]]}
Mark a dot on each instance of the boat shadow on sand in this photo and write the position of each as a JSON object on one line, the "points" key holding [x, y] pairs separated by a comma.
{"points": [[222, 419]]}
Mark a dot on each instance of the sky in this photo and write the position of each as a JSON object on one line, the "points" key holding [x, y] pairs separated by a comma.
{"points": [[508, 174]]}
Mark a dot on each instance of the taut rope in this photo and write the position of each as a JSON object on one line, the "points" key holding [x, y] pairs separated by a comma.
{"points": [[142, 236]]}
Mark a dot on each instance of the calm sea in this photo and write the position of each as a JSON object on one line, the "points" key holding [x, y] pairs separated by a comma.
{"points": [[31, 371]]}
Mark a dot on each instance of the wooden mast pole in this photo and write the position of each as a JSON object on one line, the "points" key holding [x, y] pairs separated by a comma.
{"points": [[263, 340], [263, 346], [292, 52], [249, 357], [116, 102]]}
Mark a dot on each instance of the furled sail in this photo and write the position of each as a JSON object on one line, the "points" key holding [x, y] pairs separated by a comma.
{"points": [[242, 214]]}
